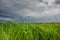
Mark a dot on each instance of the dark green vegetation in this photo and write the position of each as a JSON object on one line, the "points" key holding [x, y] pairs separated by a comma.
{"points": [[29, 31]]}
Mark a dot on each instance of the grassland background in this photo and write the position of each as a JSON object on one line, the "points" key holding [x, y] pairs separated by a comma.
{"points": [[29, 31]]}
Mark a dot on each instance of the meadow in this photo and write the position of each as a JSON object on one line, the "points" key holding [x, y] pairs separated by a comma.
{"points": [[29, 31]]}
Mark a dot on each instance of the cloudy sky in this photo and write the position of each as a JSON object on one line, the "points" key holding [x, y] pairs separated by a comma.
{"points": [[30, 10]]}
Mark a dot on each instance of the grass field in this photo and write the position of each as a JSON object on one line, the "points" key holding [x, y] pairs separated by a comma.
{"points": [[29, 31]]}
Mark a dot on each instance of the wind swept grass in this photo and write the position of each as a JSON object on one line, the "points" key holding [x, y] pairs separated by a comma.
{"points": [[29, 31]]}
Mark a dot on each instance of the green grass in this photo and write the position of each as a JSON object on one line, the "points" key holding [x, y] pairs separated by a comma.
{"points": [[29, 31]]}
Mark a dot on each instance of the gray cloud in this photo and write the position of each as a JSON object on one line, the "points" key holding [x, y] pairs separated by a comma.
{"points": [[57, 2], [36, 9]]}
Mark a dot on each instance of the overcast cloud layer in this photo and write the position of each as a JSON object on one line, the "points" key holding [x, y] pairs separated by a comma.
{"points": [[30, 10]]}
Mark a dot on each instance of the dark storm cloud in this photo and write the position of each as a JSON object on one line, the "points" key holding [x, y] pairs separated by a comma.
{"points": [[9, 14], [40, 0], [4, 13], [57, 2], [11, 8]]}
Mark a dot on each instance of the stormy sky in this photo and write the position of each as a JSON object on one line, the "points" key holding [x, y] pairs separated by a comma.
{"points": [[30, 10]]}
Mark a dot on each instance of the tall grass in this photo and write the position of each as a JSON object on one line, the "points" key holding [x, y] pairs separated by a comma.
{"points": [[29, 31]]}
